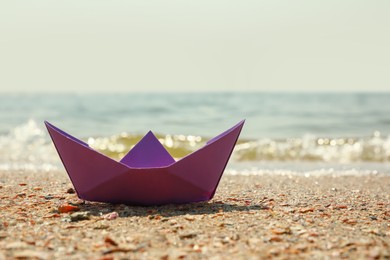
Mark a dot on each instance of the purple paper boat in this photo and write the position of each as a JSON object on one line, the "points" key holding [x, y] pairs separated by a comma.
{"points": [[147, 175]]}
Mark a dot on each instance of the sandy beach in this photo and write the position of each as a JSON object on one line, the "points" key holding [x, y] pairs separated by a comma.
{"points": [[250, 217]]}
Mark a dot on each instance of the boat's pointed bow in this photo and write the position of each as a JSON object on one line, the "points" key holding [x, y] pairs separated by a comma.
{"points": [[204, 167], [85, 167]]}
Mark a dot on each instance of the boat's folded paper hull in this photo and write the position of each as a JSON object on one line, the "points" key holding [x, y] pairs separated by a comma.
{"points": [[139, 180]]}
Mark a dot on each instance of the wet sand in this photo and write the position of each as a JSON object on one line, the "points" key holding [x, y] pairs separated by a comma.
{"points": [[250, 217]]}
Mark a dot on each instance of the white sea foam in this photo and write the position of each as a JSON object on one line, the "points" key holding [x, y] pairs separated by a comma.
{"points": [[27, 147]]}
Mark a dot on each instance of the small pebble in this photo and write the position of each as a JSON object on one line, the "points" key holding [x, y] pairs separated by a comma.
{"points": [[190, 218], [111, 216], [20, 195], [71, 191], [305, 210], [49, 197], [340, 207], [275, 239], [187, 235], [66, 208], [280, 231], [77, 216], [110, 241]]}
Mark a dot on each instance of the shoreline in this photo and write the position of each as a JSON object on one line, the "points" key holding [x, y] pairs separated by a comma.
{"points": [[263, 216]]}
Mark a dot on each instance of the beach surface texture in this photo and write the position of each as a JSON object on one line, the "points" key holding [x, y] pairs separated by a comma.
{"points": [[250, 217]]}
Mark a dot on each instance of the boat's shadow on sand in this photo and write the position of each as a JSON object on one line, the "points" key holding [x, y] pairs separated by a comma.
{"points": [[171, 210]]}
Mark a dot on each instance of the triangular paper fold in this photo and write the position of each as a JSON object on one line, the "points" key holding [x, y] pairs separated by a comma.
{"points": [[148, 152]]}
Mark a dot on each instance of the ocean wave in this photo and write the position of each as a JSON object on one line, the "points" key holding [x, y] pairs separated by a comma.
{"points": [[311, 148], [28, 146], [307, 148]]}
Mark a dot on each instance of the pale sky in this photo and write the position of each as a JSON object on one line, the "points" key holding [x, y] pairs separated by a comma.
{"points": [[179, 45]]}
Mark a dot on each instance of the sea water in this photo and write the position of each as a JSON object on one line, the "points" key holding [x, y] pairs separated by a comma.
{"points": [[337, 133]]}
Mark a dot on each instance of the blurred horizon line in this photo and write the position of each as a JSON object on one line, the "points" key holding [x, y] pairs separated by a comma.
{"points": [[37, 92]]}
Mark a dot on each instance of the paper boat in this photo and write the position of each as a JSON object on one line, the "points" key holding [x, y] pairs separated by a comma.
{"points": [[147, 175]]}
